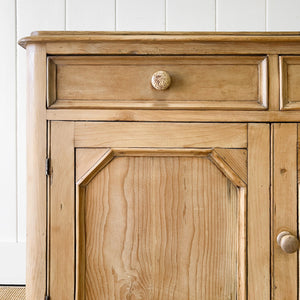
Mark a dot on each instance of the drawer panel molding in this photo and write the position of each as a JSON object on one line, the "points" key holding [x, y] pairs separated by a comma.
{"points": [[289, 82], [197, 82]]}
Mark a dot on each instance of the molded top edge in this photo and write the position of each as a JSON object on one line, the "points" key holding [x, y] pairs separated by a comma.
{"points": [[117, 36]]}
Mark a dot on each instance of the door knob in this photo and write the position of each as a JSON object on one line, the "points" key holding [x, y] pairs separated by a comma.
{"points": [[161, 80], [288, 242]]}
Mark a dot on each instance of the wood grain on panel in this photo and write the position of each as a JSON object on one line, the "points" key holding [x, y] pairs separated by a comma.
{"points": [[87, 134], [161, 227], [290, 82], [62, 211], [86, 159], [274, 86], [284, 208], [236, 159], [172, 115], [36, 179], [90, 15], [258, 211], [197, 82]]}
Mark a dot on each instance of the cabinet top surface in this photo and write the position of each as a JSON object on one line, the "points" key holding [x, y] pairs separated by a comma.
{"points": [[98, 36]]}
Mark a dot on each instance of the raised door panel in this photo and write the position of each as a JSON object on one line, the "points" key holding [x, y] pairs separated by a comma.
{"points": [[161, 226], [289, 82], [178, 220]]}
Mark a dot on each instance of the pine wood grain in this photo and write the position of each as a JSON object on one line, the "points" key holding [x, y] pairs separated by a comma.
{"points": [[172, 116], [87, 134], [236, 159], [169, 236], [36, 179], [258, 246], [62, 211], [206, 82], [284, 208], [86, 159], [289, 81], [273, 79]]}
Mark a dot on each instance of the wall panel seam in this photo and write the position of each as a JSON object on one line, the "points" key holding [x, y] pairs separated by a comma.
{"points": [[266, 14], [216, 15], [16, 124]]}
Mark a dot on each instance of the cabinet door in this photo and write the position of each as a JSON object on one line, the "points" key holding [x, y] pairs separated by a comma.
{"points": [[159, 211]]}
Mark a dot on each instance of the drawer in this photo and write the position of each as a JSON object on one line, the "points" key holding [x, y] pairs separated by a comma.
{"points": [[197, 82], [290, 82]]}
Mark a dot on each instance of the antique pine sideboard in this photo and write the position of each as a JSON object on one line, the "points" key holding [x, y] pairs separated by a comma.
{"points": [[163, 166]]}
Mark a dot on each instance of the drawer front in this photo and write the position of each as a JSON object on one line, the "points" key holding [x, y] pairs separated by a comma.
{"points": [[197, 82], [290, 82]]}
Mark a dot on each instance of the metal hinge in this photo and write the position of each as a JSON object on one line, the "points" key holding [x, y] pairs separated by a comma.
{"points": [[47, 166], [47, 297]]}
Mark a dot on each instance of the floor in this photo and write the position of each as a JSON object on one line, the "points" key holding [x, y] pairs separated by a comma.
{"points": [[12, 293]]}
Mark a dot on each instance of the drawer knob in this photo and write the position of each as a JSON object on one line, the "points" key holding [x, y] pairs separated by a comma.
{"points": [[161, 80], [288, 242]]}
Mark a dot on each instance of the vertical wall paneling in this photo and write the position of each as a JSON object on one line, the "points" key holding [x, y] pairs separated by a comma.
{"points": [[12, 263], [190, 15], [140, 15], [90, 15], [241, 15], [8, 124], [283, 15]]}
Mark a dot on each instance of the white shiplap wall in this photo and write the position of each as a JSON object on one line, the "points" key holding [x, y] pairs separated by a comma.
{"points": [[19, 17]]}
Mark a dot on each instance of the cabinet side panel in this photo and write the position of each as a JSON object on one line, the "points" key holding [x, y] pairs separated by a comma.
{"points": [[284, 208], [62, 211], [36, 179], [258, 211]]}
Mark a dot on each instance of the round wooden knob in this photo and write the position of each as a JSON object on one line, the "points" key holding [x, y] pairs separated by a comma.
{"points": [[161, 80], [288, 242]]}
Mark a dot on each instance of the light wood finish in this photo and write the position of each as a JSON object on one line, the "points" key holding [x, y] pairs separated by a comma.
{"points": [[287, 242], [62, 211], [274, 88], [36, 178], [259, 211], [160, 135], [172, 115], [87, 158], [114, 233], [148, 172], [165, 43], [236, 159], [203, 82], [284, 208], [51, 81], [290, 82]]}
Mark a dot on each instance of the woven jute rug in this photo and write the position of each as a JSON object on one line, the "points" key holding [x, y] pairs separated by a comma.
{"points": [[12, 293]]}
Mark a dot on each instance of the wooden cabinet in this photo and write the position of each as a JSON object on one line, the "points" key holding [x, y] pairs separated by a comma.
{"points": [[189, 192]]}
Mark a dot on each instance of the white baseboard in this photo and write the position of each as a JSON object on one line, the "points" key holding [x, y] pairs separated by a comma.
{"points": [[12, 263]]}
